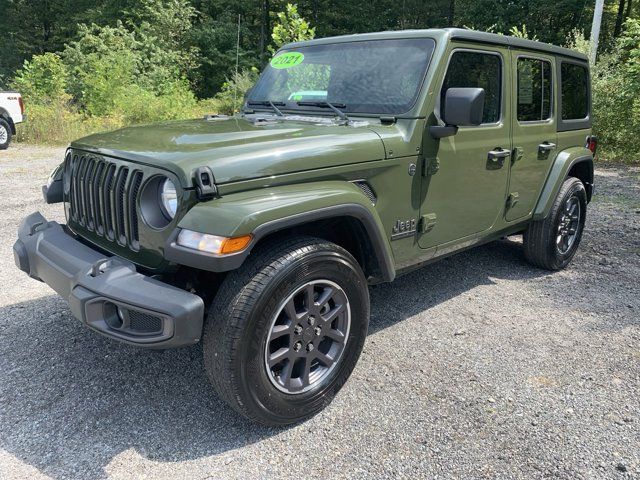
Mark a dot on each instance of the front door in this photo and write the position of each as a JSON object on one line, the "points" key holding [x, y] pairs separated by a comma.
{"points": [[534, 130], [467, 192]]}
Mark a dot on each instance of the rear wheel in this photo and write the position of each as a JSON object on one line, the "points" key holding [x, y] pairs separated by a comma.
{"points": [[286, 330], [5, 134], [552, 242]]}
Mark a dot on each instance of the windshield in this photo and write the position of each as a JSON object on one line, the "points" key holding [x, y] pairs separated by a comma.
{"points": [[376, 76]]}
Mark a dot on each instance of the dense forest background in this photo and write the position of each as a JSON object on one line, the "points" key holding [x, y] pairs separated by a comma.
{"points": [[85, 65]]}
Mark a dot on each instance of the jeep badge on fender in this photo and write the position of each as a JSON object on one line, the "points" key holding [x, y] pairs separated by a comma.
{"points": [[403, 228], [258, 235]]}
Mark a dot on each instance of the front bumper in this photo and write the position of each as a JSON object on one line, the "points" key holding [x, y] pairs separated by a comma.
{"points": [[107, 293]]}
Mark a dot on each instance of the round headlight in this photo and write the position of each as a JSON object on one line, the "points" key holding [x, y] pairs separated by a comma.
{"points": [[168, 198]]}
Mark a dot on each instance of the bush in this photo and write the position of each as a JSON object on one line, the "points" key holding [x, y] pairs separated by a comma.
{"points": [[109, 77], [616, 95], [60, 123], [57, 123], [43, 79], [230, 98], [137, 105]]}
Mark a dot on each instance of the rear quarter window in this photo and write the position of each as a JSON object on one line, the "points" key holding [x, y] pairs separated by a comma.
{"points": [[575, 91]]}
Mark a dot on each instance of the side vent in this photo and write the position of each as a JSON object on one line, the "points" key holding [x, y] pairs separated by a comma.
{"points": [[367, 190]]}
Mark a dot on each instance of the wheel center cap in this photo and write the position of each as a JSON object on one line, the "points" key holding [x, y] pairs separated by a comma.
{"points": [[308, 334]]}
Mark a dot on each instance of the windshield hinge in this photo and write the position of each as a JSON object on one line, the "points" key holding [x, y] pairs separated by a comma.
{"points": [[388, 120], [205, 184]]}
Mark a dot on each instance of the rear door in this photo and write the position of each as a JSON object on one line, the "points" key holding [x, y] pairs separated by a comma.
{"points": [[534, 130], [466, 194]]}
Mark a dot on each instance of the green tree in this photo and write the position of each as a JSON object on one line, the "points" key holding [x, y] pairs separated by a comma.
{"points": [[231, 96], [290, 27], [43, 79], [103, 60], [616, 93], [163, 28], [521, 32]]}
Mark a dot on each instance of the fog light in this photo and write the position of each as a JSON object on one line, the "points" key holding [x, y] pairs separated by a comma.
{"points": [[112, 316], [205, 242]]}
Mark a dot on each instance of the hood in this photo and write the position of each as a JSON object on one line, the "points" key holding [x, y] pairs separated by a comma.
{"points": [[236, 149]]}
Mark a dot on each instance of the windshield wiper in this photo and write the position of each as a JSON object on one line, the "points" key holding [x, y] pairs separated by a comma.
{"points": [[268, 103], [333, 106]]}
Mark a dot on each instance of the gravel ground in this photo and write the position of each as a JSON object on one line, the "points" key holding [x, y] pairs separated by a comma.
{"points": [[479, 366]]}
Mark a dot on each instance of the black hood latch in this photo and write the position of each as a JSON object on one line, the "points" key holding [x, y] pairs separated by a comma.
{"points": [[205, 184]]}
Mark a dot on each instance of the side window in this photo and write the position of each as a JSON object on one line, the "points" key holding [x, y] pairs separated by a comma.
{"points": [[575, 91], [475, 69], [534, 90]]}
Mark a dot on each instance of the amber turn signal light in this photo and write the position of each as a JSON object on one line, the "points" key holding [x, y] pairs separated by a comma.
{"points": [[235, 244]]}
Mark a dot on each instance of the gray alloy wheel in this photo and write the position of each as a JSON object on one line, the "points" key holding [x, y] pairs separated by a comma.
{"points": [[568, 224], [551, 242], [285, 330], [307, 336]]}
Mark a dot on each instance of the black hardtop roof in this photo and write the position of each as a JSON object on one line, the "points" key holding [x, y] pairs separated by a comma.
{"points": [[460, 34]]}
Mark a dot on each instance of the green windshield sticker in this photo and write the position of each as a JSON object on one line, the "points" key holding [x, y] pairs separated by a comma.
{"points": [[287, 60]]}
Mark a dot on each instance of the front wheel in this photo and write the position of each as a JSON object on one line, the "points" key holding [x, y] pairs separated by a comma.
{"points": [[552, 242], [286, 330], [5, 134]]}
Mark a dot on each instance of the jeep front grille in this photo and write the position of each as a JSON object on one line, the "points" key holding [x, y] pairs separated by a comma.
{"points": [[103, 196]]}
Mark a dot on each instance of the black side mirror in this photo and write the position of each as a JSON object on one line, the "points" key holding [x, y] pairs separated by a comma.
{"points": [[463, 107]]}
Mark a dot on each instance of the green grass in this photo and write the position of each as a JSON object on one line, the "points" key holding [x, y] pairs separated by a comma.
{"points": [[60, 125]]}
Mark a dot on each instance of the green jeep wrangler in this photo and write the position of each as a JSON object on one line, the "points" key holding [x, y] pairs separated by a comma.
{"points": [[354, 159]]}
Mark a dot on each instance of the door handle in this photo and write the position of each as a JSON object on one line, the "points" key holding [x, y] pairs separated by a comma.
{"points": [[546, 147], [498, 153], [495, 158]]}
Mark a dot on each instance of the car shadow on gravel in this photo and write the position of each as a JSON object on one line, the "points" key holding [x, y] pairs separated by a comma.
{"points": [[445, 279], [71, 401]]}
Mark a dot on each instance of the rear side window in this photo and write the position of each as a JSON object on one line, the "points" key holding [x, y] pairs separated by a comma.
{"points": [[534, 90], [479, 70], [575, 91]]}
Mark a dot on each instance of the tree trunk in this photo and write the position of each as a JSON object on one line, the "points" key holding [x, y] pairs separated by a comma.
{"points": [[627, 13], [265, 30], [47, 27], [619, 18]]}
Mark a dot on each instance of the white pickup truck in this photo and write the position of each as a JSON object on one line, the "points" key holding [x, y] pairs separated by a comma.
{"points": [[11, 113]]}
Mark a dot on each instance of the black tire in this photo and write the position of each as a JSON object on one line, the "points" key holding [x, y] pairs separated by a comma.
{"points": [[5, 134], [246, 309], [543, 246]]}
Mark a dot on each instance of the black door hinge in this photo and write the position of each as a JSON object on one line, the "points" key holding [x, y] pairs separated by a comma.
{"points": [[512, 200], [430, 166], [427, 222]]}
